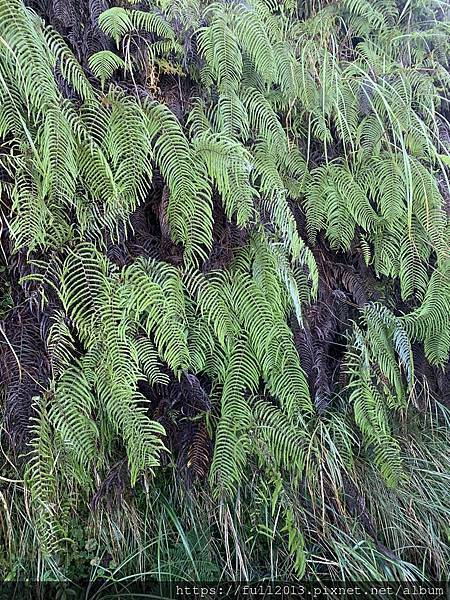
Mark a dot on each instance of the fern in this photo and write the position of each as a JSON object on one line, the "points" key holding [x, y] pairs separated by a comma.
{"points": [[232, 193], [104, 63], [42, 484], [116, 22], [229, 166], [220, 48], [71, 416], [189, 196]]}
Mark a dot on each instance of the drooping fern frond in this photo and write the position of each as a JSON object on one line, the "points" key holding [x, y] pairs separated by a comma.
{"points": [[430, 321], [228, 164], [279, 438], [371, 416], [104, 63], [189, 199], [42, 483], [219, 46], [233, 441], [117, 21], [71, 415]]}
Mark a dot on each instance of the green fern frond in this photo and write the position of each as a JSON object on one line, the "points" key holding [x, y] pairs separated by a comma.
{"points": [[71, 415], [284, 442], [189, 200], [42, 484], [252, 35], [228, 164], [116, 22], [83, 285], [264, 120], [220, 48], [104, 63]]}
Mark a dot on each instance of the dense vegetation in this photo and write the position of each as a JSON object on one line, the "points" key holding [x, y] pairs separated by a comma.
{"points": [[225, 302]]}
